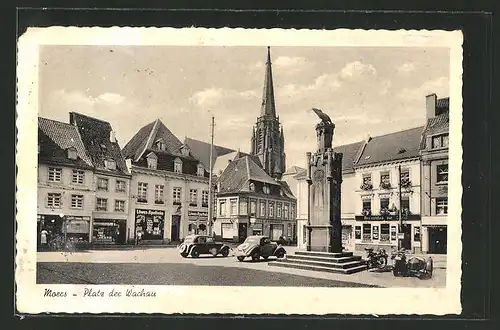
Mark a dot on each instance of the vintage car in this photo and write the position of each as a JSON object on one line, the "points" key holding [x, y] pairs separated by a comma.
{"points": [[194, 245], [259, 246]]}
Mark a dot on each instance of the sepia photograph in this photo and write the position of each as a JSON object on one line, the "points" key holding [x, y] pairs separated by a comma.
{"points": [[235, 163]]}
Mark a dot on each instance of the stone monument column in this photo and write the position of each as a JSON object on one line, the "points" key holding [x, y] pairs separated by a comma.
{"points": [[324, 177]]}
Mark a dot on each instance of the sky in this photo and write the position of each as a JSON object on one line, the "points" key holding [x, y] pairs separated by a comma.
{"points": [[364, 90]]}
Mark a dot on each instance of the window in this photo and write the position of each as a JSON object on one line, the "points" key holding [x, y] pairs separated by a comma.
{"points": [[160, 145], [440, 141], [384, 205], [285, 211], [405, 205], [405, 178], [253, 208], [110, 164], [367, 182], [442, 173], [262, 208], [375, 232], [384, 232], [441, 206], [101, 204], [266, 189], [55, 174], [119, 206], [292, 211], [200, 171], [393, 233], [54, 200], [102, 184], [78, 176], [120, 186], [243, 206], [251, 186], [367, 232], [416, 234], [193, 197], [142, 192], [278, 210], [385, 181], [271, 209], [204, 198], [176, 196], [77, 201], [357, 232], [222, 207], [234, 206], [178, 166], [159, 198], [72, 154], [152, 163], [367, 207]]}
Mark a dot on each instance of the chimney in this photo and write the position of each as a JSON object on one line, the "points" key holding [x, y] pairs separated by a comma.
{"points": [[368, 137], [430, 105], [112, 137]]}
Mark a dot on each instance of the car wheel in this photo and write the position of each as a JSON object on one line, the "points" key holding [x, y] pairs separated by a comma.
{"points": [[184, 254], [195, 253], [382, 262], [240, 258], [224, 252], [255, 255], [280, 255], [266, 257]]}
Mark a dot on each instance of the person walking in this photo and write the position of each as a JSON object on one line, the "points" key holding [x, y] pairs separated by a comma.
{"points": [[43, 238]]}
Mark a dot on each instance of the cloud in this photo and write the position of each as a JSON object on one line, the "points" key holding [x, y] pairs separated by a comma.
{"points": [[406, 68], [439, 86], [291, 64], [213, 96], [111, 98], [355, 69]]}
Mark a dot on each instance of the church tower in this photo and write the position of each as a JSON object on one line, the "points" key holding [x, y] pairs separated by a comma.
{"points": [[268, 141]]}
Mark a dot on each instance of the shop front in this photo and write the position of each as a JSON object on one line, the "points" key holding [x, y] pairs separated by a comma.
{"points": [[197, 222], [149, 225], [109, 231], [63, 228]]}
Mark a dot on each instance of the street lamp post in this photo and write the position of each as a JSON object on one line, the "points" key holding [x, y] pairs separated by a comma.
{"points": [[400, 216], [210, 192]]}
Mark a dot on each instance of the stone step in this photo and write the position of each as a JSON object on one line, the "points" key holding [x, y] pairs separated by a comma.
{"points": [[343, 265], [346, 271], [324, 259], [324, 254]]}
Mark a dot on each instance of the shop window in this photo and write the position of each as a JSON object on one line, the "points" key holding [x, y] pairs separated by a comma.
{"points": [[78, 176], [384, 232], [393, 233], [440, 141], [278, 210], [150, 226], [55, 174], [142, 192], [101, 204], [285, 211], [53, 200], [367, 207], [77, 201], [243, 206], [416, 234], [384, 206], [120, 186], [222, 207], [385, 181], [119, 206], [107, 232], [110, 164], [177, 165], [233, 206], [357, 232], [204, 198], [193, 197], [253, 208], [367, 232], [442, 173], [441, 206], [262, 209], [289, 230], [176, 195], [159, 197], [375, 232], [271, 209], [200, 170], [102, 184]]}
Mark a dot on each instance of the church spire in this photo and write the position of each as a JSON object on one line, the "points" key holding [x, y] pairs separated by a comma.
{"points": [[268, 106]]}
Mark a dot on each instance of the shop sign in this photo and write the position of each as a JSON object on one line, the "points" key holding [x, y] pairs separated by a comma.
{"points": [[390, 217], [197, 214], [150, 212]]}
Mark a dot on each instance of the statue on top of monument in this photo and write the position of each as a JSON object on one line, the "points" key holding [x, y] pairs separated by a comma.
{"points": [[325, 119]]}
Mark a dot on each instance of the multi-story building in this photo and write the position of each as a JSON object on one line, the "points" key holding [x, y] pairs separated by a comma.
{"points": [[110, 182], [383, 165], [169, 186], [65, 182], [434, 157]]}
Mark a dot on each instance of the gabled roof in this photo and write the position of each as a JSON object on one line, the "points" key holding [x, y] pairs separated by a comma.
{"points": [[55, 138], [349, 151], [435, 125], [390, 147], [201, 151], [294, 170], [147, 136], [286, 189], [95, 135], [165, 162]]}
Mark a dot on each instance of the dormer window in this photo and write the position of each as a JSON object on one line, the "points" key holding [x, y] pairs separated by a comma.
{"points": [[185, 150], [110, 164], [160, 145], [71, 152], [152, 161], [251, 186], [200, 171], [266, 189], [177, 165]]}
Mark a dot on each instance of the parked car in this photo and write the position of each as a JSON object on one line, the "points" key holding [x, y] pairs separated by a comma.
{"points": [[259, 246], [285, 240], [194, 245]]}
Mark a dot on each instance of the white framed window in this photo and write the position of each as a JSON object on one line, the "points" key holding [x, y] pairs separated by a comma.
{"points": [[222, 207], [442, 173], [102, 184], [441, 206], [440, 141], [110, 164], [271, 209], [262, 209], [367, 232], [278, 210], [119, 205], [176, 195], [159, 197], [120, 186], [251, 186], [292, 211], [72, 154], [77, 201], [253, 207], [200, 171], [160, 145], [152, 163], [193, 197], [266, 189], [204, 198], [243, 206], [177, 165], [142, 192], [55, 174], [54, 200], [101, 204], [285, 211], [78, 176], [234, 206]]}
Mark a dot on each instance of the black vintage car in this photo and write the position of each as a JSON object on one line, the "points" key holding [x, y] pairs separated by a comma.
{"points": [[259, 246], [194, 245]]}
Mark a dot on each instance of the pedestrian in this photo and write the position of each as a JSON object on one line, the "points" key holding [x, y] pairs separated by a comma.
{"points": [[43, 238]]}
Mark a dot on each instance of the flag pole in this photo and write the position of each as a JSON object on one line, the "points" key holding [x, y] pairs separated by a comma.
{"points": [[210, 192]]}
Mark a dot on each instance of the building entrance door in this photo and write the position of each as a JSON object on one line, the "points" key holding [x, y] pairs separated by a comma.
{"points": [[176, 219], [437, 240], [406, 229]]}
